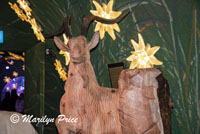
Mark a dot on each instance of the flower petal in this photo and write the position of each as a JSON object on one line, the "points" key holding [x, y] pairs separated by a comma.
{"points": [[141, 42], [116, 27], [104, 6], [111, 32], [94, 12], [109, 6], [114, 14], [102, 31], [147, 47], [98, 25], [106, 27], [98, 7], [131, 58], [141, 66], [135, 45], [155, 61], [133, 64], [153, 50], [61, 52], [65, 39], [148, 65], [133, 52]]}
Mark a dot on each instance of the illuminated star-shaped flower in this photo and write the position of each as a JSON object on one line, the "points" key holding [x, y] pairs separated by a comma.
{"points": [[66, 54], [107, 13], [18, 11], [14, 86], [24, 5], [23, 67], [6, 79], [7, 89], [36, 30], [143, 56], [15, 56], [61, 71], [11, 62], [65, 39], [15, 74], [24, 13]]}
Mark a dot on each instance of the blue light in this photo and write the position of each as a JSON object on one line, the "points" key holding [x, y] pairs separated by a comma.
{"points": [[7, 67], [1, 37], [21, 87], [19, 81]]}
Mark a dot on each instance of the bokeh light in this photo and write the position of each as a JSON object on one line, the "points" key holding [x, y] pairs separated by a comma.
{"points": [[14, 84]]}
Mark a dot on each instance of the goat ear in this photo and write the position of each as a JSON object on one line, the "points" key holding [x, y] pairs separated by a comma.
{"points": [[60, 44], [94, 41]]}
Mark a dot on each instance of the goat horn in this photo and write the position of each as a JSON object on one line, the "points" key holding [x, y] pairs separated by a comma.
{"points": [[88, 19], [65, 27]]}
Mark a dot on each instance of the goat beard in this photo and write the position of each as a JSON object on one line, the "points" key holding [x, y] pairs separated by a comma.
{"points": [[83, 73]]}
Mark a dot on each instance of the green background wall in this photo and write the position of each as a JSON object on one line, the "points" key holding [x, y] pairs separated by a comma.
{"points": [[174, 25], [35, 82]]}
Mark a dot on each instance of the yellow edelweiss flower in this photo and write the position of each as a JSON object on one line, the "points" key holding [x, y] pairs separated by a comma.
{"points": [[143, 56], [18, 11], [6, 79], [24, 8], [36, 30], [24, 5], [65, 39], [15, 56], [15, 74], [66, 54], [107, 13], [61, 71]]}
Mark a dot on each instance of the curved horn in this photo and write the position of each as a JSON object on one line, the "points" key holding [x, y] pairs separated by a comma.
{"points": [[88, 19], [65, 27]]}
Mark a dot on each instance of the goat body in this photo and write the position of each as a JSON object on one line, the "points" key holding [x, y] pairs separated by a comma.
{"points": [[95, 107]]}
